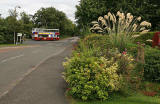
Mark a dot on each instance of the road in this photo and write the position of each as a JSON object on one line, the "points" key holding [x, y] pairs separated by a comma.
{"points": [[18, 62]]}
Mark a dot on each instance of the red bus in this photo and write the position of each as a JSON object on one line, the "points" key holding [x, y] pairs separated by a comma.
{"points": [[45, 34]]}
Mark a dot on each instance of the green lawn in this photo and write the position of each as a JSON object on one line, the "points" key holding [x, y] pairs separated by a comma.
{"points": [[64, 36], [9, 45], [136, 99]]}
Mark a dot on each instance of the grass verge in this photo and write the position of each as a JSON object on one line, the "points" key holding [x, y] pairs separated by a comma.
{"points": [[64, 37], [10, 45], [136, 99]]}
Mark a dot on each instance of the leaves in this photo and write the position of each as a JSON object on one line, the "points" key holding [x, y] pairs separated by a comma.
{"points": [[52, 18], [90, 10]]}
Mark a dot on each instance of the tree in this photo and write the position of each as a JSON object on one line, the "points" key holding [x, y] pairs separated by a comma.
{"points": [[27, 24], [90, 10], [14, 14], [12, 25], [52, 18], [2, 29]]}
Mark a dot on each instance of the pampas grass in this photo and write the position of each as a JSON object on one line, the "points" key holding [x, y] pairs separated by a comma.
{"points": [[120, 27]]}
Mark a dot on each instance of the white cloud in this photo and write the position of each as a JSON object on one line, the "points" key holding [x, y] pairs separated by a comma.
{"points": [[31, 6]]}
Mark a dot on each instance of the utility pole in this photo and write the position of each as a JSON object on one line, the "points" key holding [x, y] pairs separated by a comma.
{"points": [[15, 15]]}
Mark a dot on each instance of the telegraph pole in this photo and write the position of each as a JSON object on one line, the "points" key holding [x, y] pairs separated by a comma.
{"points": [[15, 15]]}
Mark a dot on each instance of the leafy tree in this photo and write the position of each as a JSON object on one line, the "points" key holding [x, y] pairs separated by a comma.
{"points": [[27, 24], [2, 28], [12, 25], [90, 10], [52, 18], [43, 18]]}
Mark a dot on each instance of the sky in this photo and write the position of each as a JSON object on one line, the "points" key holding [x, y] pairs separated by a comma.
{"points": [[31, 6]]}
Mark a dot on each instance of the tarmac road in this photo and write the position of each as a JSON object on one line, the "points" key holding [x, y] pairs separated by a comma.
{"points": [[23, 65]]}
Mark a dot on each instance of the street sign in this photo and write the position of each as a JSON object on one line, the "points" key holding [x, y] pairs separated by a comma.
{"points": [[19, 34]]}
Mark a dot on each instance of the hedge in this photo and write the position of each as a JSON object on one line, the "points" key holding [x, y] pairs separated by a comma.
{"points": [[144, 37]]}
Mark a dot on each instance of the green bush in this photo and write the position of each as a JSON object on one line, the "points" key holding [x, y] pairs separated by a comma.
{"points": [[1, 39], [129, 69], [152, 64], [144, 37], [96, 40], [93, 45], [132, 49], [152, 61], [91, 78]]}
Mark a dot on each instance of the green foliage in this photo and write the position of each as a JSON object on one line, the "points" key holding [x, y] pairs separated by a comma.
{"points": [[121, 28], [91, 78], [93, 45], [27, 24], [132, 49], [10, 24], [88, 62], [43, 18], [52, 18], [84, 32], [96, 40], [152, 64], [1, 39], [135, 99], [119, 41], [128, 69], [143, 38], [90, 10], [151, 89]]}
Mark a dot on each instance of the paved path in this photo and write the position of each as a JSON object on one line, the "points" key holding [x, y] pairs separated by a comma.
{"points": [[44, 85]]}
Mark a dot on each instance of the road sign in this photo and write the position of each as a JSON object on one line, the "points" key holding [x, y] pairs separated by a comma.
{"points": [[19, 34]]}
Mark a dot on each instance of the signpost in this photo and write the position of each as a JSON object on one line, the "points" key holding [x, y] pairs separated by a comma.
{"points": [[19, 37]]}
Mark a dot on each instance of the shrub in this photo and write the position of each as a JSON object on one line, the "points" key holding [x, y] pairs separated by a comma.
{"points": [[129, 69], [96, 40], [132, 49], [91, 78], [145, 37], [152, 64], [121, 28], [93, 44], [1, 39], [152, 61], [151, 89]]}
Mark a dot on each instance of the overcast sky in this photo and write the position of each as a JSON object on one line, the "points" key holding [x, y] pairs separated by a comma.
{"points": [[31, 6]]}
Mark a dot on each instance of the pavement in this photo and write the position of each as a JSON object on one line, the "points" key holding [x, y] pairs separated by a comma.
{"points": [[34, 79]]}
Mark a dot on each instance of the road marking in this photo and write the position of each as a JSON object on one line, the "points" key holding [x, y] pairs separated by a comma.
{"points": [[15, 47], [11, 58], [6, 49], [14, 83]]}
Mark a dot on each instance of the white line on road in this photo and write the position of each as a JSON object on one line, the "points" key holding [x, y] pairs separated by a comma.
{"points": [[14, 83], [11, 58]]}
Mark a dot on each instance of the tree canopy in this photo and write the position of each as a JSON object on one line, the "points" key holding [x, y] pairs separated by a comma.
{"points": [[11, 24], [90, 10], [52, 18], [43, 18]]}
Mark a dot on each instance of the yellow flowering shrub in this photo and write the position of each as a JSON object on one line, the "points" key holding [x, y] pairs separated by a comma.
{"points": [[91, 78]]}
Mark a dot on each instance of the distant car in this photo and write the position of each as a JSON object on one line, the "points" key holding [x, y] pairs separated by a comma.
{"points": [[45, 34]]}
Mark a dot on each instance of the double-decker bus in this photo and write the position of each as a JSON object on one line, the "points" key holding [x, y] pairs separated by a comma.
{"points": [[45, 34]]}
